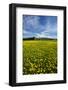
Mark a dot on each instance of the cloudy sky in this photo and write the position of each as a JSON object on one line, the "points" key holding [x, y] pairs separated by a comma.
{"points": [[39, 26]]}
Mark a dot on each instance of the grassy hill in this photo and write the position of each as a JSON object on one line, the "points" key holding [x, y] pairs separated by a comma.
{"points": [[39, 56]]}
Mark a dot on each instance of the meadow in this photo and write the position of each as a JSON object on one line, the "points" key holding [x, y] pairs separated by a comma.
{"points": [[39, 56]]}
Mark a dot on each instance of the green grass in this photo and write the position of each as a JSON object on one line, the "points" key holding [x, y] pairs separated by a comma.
{"points": [[39, 56]]}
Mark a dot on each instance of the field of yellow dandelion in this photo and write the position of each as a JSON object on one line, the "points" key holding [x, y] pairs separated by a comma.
{"points": [[39, 56]]}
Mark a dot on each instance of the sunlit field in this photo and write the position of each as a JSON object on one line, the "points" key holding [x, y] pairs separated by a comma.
{"points": [[39, 57]]}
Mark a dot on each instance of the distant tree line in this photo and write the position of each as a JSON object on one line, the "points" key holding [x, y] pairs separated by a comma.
{"points": [[34, 38]]}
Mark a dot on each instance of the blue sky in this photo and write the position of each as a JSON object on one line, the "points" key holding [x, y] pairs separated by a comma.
{"points": [[39, 26]]}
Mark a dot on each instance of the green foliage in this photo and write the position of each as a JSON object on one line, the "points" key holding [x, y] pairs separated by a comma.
{"points": [[39, 56]]}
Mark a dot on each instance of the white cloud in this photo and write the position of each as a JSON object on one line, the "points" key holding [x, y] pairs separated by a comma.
{"points": [[33, 27], [47, 32], [44, 36], [32, 21]]}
